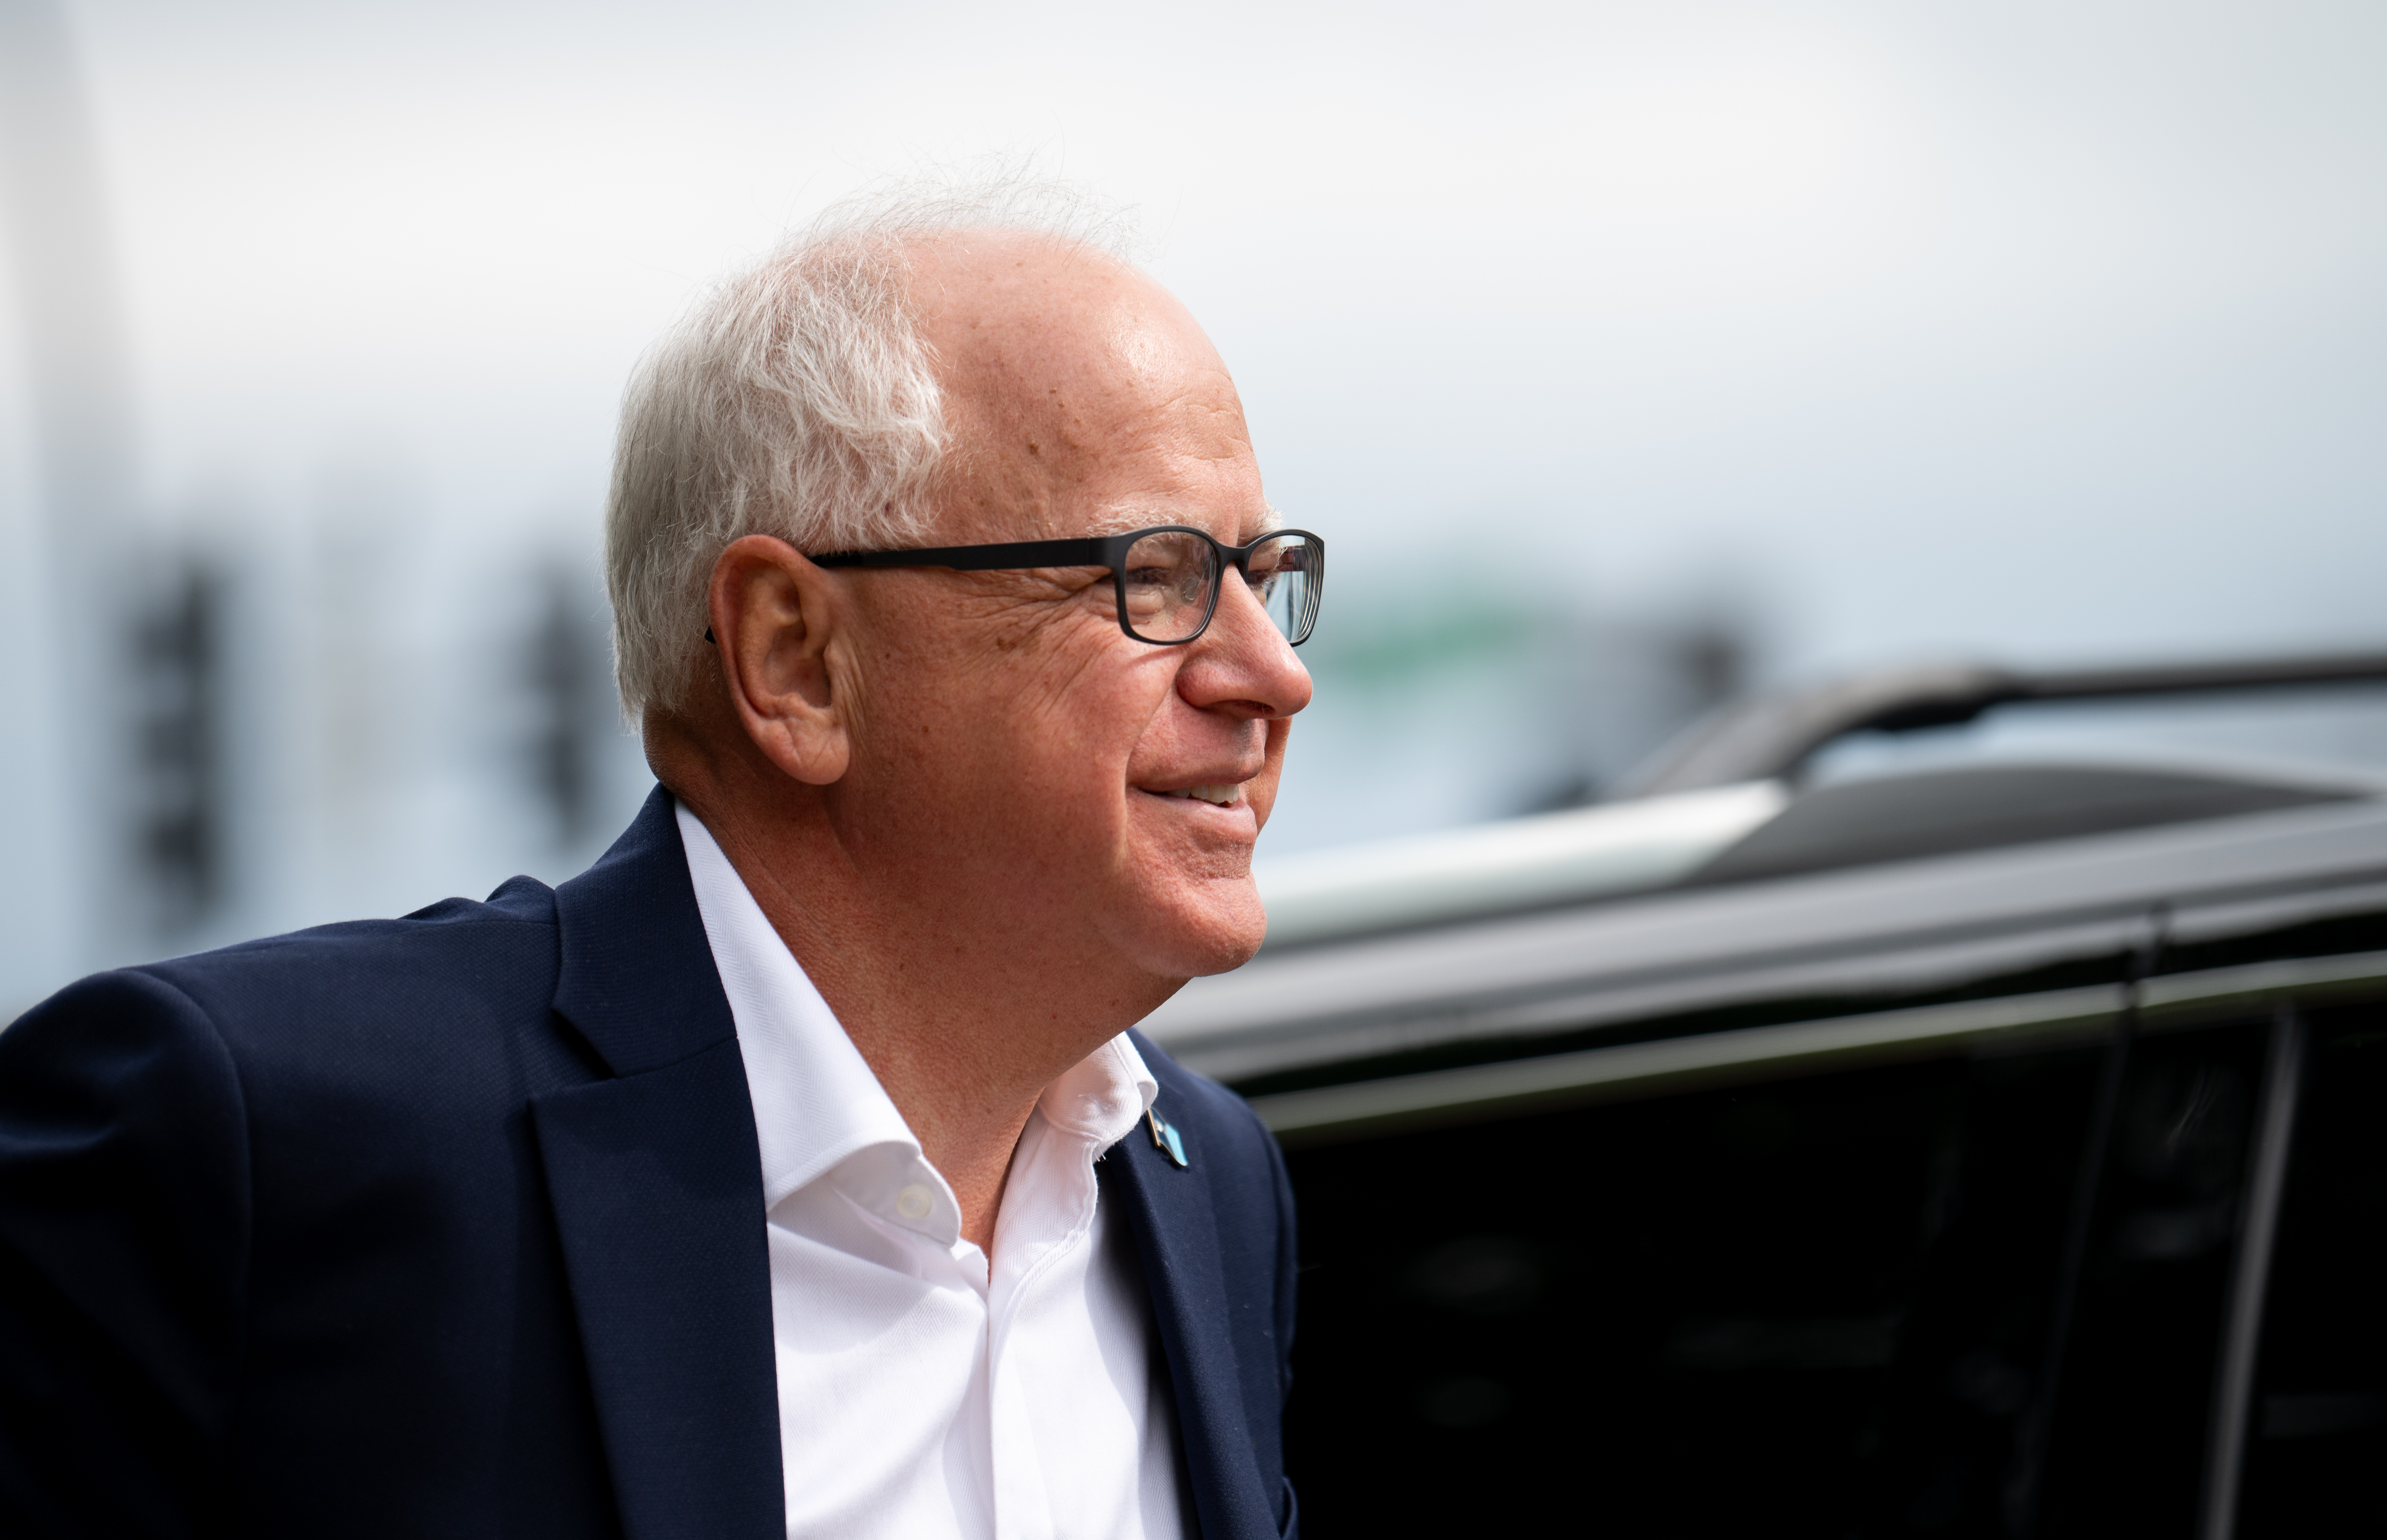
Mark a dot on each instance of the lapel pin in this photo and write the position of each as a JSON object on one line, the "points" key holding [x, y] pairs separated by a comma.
{"points": [[1164, 1137]]}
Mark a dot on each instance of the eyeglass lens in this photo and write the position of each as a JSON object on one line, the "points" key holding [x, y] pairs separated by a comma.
{"points": [[1170, 583], [1284, 578]]}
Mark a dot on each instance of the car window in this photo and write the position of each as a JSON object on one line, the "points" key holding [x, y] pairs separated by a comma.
{"points": [[2129, 1413], [1881, 1302], [2316, 1459], [1721, 1313]]}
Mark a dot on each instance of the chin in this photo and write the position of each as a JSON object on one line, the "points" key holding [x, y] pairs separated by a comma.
{"points": [[1204, 932]]}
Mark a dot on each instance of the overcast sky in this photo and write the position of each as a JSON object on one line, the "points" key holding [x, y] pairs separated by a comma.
{"points": [[2045, 331]]}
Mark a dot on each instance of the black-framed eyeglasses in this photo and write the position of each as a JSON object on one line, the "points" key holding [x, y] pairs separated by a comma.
{"points": [[1167, 577]]}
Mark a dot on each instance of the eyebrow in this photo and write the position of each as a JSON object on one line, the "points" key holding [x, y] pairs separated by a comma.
{"points": [[1120, 521]]}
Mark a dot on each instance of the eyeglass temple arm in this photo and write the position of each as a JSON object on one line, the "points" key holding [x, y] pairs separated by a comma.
{"points": [[1087, 552]]}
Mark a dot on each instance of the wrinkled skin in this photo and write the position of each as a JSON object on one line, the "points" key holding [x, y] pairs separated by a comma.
{"points": [[950, 793]]}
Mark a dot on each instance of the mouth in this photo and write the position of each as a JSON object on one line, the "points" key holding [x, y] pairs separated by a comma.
{"points": [[1224, 795]]}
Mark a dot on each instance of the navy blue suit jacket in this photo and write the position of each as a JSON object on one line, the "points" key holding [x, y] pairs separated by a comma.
{"points": [[453, 1226]]}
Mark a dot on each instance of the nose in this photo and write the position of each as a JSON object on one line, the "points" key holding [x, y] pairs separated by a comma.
{"points": [[1242, 665]]}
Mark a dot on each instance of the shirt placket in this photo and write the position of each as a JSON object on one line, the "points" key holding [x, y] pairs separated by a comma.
{"points": [[1062, 1172]]}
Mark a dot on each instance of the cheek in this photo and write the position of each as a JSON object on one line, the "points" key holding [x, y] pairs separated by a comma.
{"points": [[1041, 746], [1099, 699]]}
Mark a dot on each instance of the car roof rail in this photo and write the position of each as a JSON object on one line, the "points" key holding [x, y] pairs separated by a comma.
{"points": [[1771, 737]]}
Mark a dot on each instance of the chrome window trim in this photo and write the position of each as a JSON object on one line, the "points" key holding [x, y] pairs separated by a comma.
{"points": [[1635, 1070]]}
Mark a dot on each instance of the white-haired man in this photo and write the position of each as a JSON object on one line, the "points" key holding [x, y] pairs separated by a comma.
{"points": [[794, 1170]]}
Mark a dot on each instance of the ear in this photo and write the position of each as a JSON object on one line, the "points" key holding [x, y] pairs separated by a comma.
{"points": [[776, 617]]}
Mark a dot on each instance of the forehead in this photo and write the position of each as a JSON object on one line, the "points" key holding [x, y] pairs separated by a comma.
{"points": [[1082, 398]]}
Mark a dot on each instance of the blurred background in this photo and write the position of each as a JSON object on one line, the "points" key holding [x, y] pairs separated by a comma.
{"points": [[1631, 356]]}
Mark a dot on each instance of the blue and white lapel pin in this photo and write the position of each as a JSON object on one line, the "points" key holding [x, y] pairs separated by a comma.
{"points": [[1165, 1138]]}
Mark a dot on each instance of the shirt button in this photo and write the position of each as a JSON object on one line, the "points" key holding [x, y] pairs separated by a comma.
{"points": [[913, 1202]]}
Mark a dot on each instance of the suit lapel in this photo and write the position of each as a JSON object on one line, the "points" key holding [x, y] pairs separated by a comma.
{"points": [[656, 1181], [1177, 1240]]}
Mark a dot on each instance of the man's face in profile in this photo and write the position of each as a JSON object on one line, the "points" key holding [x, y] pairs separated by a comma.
{"points": [[1024, 753]]}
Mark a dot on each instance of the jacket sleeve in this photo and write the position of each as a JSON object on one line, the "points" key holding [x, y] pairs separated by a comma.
{"points": [[124, 1235]]}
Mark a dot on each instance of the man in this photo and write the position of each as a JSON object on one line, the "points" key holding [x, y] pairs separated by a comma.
{"points": [[794, 1170]]}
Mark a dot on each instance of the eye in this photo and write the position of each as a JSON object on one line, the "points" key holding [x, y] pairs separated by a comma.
{"points": [[1155, 582], [1147, 589]]}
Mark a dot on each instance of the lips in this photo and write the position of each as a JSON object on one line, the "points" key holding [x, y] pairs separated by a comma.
{"points": [[1219, 796]]}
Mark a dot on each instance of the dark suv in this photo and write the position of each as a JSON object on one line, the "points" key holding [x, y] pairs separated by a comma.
{"points": [[1992, 1148]]}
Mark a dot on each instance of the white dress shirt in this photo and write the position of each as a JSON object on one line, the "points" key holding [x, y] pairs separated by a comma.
{"points": [[921, 1392]]}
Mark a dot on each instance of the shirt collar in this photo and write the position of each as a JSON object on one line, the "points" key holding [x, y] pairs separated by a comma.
{"points": [[817, 1102], [1100, 1097]]}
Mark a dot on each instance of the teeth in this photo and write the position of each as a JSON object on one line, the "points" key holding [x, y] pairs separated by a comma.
{"points": [[1224, 796]]}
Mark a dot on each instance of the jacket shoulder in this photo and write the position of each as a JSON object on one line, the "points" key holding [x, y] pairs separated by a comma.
{"points": [[455, 959], [456, 995]]}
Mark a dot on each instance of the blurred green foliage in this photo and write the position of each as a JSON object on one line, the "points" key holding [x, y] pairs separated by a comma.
{"points": [[1380, 647]]}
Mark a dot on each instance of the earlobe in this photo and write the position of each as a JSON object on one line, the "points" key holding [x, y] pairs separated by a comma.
{"points": [[779, 617]]}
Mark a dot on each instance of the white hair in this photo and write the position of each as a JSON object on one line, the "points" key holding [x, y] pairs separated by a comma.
{"points": [[795, 400]]}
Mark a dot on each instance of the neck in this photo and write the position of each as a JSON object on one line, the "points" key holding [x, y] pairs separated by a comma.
{"points": [[964, 1025]]}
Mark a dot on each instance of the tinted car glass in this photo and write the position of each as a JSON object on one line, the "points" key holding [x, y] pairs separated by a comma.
{"points": [[2129, 1410], [2316, 1451], [1690, 1315], [1976, 1298]]}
